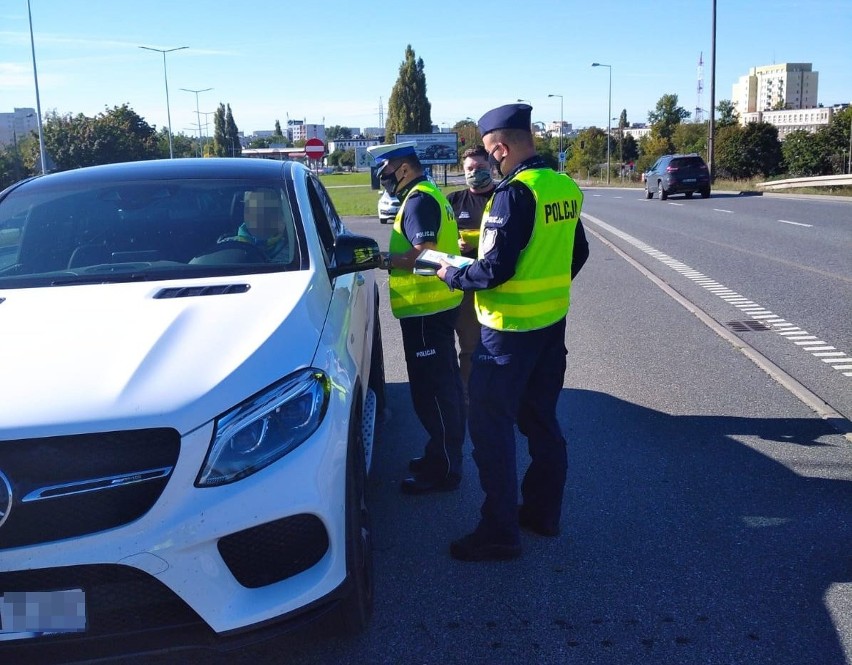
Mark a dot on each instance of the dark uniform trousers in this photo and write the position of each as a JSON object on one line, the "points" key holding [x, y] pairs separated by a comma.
{"points": [[517, 377], [436, 390]]}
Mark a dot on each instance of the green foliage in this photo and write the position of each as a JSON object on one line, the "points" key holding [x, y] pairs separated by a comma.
{"points": [[630, 148], [745, 152], [727, 114], [806, 154], [664, 119], [691, 137], [409, 110], [336, 133], [588, 152], [348, 158]]}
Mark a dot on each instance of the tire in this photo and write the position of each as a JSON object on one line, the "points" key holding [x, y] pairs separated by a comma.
{"points": [[705, 193], [377, 367], [355, 610], [662, 192], [649, 194], [382, 220], [688, 195]]}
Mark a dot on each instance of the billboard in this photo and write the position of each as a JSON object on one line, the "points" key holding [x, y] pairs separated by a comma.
{"points": [[440, 148]]}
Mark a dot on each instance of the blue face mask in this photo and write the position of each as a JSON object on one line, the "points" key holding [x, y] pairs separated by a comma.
{"points": [[478, 179]]}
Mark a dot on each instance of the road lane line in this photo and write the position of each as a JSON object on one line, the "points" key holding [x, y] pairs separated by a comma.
{"points": [[783, 329], [730, 212], [784, 221]]}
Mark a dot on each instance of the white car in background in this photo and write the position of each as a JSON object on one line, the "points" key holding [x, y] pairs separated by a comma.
{"points": [[188, 411], [388, 205]]}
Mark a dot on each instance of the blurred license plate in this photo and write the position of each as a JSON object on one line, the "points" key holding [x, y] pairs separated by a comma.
{"points": [[25, 614], [689, 179]]}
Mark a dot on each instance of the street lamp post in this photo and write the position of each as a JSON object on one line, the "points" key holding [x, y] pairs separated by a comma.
{"points": [[166, 78], [608, 115], [38, 99], [561, 127], [197, 111]]}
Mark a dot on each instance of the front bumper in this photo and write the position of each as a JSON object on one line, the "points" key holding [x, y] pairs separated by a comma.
{"points": [[202, 563]]}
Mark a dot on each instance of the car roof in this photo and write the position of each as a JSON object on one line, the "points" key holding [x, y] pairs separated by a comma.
{"points": [[165, 169]]}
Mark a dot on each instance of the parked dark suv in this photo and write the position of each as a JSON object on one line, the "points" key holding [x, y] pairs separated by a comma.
{"points": [[678, 174]]}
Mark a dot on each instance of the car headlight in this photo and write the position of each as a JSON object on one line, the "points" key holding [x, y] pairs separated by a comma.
{"points": [[265, 427]]}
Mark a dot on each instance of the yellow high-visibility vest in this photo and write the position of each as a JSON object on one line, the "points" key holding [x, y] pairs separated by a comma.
{"points": [[418, 295], [539, 293]]}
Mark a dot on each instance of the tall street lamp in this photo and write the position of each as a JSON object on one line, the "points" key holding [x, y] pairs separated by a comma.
{"points": [[561, 127], [166, 78], [608, 115], [38, 99], [197, 112]]}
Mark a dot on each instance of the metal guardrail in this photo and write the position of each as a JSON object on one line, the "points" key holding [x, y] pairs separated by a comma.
{"points": [[815, 181]]}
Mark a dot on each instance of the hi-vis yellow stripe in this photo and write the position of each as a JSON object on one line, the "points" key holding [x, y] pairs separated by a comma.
{"points": [[532, 285], [530, 310]]}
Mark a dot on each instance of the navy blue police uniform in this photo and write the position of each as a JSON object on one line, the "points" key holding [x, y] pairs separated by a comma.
{"points": [[516, 377]]}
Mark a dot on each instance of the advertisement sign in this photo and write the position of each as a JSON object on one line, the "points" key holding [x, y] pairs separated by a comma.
{"points": [[439, 148], [363, 159]]}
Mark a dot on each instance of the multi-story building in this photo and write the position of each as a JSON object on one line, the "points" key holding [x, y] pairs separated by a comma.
{"points": [[17, 125], [302, 131], [789, 120], [786, 86]]}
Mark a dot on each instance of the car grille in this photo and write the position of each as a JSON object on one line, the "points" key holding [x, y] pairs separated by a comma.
{"points": [[68, 486], [274, 551]]}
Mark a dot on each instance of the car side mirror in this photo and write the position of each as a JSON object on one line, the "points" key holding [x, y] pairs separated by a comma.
{"points": [[354, 253]]}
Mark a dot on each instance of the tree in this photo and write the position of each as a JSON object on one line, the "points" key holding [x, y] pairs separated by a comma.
{"points": [[336, 133], [631, 148], [727, 114], [746, 152], [664, 118], [409, 110], [278, 131], [232, 133], [837, 139], [226, 137], [588, 152], [347, 159], [806, 154], [691, 137]]}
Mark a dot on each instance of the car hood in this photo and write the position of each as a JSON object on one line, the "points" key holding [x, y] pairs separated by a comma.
{"points": [[108, 357]]}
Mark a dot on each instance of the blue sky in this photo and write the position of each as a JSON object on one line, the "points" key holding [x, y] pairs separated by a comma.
{"points": [[332, 61]]}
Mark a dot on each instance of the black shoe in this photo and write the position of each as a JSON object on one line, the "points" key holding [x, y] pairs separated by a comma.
{"points": [[475, 547], [531, 522], [423, 484], [417, 464]]}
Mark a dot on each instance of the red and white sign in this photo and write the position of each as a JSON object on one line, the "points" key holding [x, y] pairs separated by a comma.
{"points": [[314, 148]]}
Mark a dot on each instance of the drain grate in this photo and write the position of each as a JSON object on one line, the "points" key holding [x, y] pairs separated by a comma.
{"points": [[747, 326]]}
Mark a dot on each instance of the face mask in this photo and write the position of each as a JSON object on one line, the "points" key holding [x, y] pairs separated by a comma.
{"points": [[478, 179], [389, 182], [495, 163]]}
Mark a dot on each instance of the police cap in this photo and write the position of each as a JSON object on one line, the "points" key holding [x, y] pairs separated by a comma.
{"points": [[510, 116], [382, 154]]}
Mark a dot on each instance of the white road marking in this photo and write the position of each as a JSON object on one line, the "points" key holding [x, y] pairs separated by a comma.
{"points": [[730, 212], [784, 221], [840, 359]]}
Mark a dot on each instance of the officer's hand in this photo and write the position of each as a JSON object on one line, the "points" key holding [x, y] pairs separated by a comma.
{"points": [[442, 271]]}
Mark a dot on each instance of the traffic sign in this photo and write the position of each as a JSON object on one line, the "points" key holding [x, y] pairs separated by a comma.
{"points": [[314, 148]]}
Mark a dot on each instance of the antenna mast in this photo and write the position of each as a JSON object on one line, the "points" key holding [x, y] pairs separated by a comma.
{"points": [[699, 117]]}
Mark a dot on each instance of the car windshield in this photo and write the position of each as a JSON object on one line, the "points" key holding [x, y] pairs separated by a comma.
{"points": [[145, 230]]}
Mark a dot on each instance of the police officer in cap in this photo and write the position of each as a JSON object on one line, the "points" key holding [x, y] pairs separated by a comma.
{"points": [[532, 245], [427, 313]]}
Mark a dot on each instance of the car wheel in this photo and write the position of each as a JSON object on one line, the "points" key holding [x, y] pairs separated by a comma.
{"points": [[705, 193], [377, 368], [649, 194], [661, 191], [356, 608], [382, 220], [688, 195]]}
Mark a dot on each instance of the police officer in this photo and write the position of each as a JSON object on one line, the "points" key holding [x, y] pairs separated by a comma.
{"points": [[532, 245], [427, 313], [468, 205]]}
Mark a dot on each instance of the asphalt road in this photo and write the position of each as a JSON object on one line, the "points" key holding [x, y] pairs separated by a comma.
{"points": [[708, 512]]}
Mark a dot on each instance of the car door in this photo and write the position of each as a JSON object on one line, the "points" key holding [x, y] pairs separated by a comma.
{"points": [[350, 317]]}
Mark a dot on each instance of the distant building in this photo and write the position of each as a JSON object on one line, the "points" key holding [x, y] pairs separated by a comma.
{"points": [[786, 86], [790, 120], [373, 132], [553, 128], [636, 130], [17, 125], [301, 131], [350, 144]]}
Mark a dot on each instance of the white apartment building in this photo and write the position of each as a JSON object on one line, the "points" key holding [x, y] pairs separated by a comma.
{"points": [[788, 120], [17, 125], [350, 144], [789, 85], [302, 131]]}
